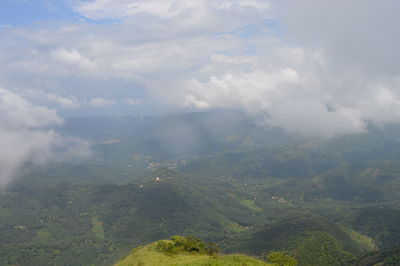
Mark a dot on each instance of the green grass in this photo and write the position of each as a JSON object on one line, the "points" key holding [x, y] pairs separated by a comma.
{"points": [[149, 255]]}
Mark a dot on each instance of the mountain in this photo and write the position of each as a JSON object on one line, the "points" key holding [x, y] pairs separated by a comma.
{"points": [[176, 134], [97, 223], [249, 188]]}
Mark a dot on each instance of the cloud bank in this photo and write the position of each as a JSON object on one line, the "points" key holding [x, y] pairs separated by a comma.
{"points": [[25, 136], [100, 102], [311, 67]]}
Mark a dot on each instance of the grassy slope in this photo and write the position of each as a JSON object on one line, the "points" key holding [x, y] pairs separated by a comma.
{"points": [[149, 255]]}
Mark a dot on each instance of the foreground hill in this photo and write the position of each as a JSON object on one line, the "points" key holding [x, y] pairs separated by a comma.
{"points": [[184, 251]]}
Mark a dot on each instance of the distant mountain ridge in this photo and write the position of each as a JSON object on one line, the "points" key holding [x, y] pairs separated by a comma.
{"points": [[215, 175]]}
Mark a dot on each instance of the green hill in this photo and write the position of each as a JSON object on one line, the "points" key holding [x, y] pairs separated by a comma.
{"points": [[98, 223], [185, 251], [248, 189]]}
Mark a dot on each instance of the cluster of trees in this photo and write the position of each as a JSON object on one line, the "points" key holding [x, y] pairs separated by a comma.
{"points": [[280, 259], [190, 244]]}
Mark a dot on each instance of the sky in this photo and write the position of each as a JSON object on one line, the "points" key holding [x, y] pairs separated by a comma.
{"points": [[314, 68]]}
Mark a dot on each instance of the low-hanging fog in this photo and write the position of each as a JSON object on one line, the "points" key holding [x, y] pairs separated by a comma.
{"points": [[26, 137]]}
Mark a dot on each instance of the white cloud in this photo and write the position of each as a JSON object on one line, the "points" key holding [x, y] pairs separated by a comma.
{"points": [[15, 113], [74, 59], [296, 90], [165, 9], [132, 101], [25, 136], [253, 90], [101, 102], [65, 102]]}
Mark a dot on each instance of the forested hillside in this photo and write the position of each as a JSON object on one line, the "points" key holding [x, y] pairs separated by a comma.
{"points": [[250, 189]]}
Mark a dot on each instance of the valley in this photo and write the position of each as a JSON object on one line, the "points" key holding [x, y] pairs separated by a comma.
{"points": [[249, 188]]}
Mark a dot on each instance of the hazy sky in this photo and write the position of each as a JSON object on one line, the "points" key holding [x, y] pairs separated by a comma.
{"points": [[312, 67]]}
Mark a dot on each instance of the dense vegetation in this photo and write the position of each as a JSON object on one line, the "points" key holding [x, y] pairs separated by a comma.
{"points": [[245, 187], [384, 258]]}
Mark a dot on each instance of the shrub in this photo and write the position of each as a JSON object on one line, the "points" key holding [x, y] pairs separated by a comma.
{"points": [[165, 245], [213, 249], [279, 259]]}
